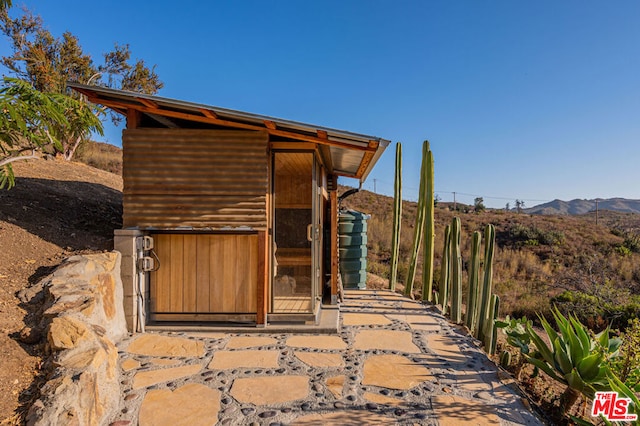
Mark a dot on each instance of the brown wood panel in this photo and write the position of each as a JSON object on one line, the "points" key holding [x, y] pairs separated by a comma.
{"points": [[294, 163], [225, 317], [195, 178], [242, 273], [292, 304], [133, 118], [293, 256], [216, 264], [198, 160], [172, 211], [205, 274], [245, 271], [307, 146], [293, 179], [262, 276], [228, 268], [177, 273], [252, 296], [160, 296], [190, 283], [293, 191]]}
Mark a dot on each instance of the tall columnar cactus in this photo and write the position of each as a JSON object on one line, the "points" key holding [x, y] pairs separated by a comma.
{"points": [[397, 218], [471, 314], [489, 242], [429, 231], [419, 227], [490, 329], [456, 272], [443, 292]]}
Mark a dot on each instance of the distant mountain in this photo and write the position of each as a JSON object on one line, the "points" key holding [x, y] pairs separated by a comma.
{"points": [[585, 206]]}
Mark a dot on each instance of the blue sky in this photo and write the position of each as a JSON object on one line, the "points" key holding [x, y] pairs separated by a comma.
{"points": [[532, 100]]}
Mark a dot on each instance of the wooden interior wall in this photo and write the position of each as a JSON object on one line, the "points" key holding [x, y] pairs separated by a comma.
{"points": [[293, 192], [293, 180], [195, 178], [205, 273]]}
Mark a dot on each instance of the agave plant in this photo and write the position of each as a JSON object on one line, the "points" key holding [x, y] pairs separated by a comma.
{"points": [[574, 358], [517, 333], [517, 336], [623, 391]]}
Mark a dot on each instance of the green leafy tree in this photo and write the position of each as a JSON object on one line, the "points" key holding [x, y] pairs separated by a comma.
{"points": [[32, 122], [478, 205], [48, 63]]}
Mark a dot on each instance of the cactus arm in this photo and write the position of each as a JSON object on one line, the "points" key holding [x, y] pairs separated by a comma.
{"points": [[444, 270], [456, 272], [471, 315], [489, 241], [418, 229], [490, 332], [397, 219], [429, 231]]}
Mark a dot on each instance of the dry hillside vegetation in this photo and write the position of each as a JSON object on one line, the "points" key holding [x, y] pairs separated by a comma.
{"points": [[539, 260], [101, 156]]}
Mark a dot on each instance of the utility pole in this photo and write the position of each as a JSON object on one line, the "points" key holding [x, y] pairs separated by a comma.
{"points": [[374, 186], [596, 211], [455, 208]]}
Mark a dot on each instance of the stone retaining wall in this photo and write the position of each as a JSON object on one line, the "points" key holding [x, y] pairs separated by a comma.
{"points": [[83, 319]]}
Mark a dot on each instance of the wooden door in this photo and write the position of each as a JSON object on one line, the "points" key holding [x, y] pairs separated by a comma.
{"points": [[293, 231], [203, 274]]}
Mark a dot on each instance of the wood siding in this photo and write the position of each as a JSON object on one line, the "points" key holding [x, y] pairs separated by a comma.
{"points": [[205, 273], [195, 178]]}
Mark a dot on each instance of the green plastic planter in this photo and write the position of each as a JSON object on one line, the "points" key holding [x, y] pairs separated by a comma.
{"points": [[352, 239]]}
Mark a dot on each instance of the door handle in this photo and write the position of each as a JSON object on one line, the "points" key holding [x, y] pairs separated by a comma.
{"points": [[309, 229]]}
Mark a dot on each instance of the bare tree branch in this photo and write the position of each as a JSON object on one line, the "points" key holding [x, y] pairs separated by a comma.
{"points": [[20, 158]]}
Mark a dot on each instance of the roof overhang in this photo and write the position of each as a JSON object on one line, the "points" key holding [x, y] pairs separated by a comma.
{"points": [[351, 154]]}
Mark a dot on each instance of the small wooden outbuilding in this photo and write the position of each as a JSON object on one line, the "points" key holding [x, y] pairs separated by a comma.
{"points": [[241, 210]]}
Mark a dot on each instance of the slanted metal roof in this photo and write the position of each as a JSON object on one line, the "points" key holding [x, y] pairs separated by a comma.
{"points": [[351, 154]]}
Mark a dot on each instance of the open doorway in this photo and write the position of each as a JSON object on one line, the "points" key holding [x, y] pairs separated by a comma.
{"points": [[293, 285]]}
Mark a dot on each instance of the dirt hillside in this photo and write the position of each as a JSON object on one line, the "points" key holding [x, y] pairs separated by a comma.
{"points": [[57, 209]]}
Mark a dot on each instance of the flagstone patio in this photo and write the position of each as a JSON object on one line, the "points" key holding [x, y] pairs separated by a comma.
{"points": [[395, 361]]}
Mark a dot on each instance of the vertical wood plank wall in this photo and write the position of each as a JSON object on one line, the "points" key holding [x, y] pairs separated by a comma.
{"points": [[205, 273]]}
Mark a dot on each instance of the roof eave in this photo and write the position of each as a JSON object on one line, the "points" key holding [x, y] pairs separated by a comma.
{"points": [[121, 100]]}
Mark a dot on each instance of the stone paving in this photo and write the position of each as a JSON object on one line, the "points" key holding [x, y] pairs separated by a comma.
{"points": [[394, 361]]}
